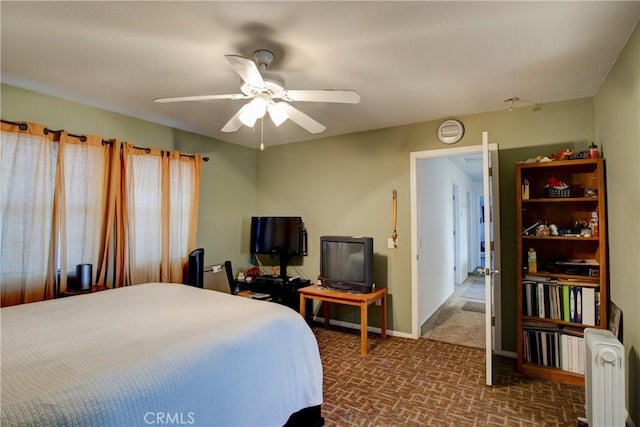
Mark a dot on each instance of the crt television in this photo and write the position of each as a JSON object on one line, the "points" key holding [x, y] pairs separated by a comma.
{"points": [[279, 235], [346, 263]]}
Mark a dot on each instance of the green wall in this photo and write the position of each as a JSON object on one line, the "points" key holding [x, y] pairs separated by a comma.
{"points": [[617, 127], [343, 185], [228, 179], [339, 185]]}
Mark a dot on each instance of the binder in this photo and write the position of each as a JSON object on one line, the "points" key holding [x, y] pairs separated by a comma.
{"points": [[578, 304], [566, 310], [589, 306], [541, 300]]}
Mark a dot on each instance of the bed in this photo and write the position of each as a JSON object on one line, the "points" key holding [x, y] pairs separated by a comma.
{"points": [[158, 353]]}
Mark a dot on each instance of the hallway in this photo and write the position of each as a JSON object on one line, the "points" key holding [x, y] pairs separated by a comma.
{"points": [[460, 320]]}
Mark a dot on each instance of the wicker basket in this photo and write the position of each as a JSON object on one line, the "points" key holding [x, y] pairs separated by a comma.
{"points": [[553, 193]]}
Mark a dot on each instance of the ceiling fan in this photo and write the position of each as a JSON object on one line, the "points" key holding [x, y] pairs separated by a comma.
{"points": [[265, 88]]}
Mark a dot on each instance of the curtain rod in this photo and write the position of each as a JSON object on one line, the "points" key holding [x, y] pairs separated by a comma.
{"points": [[23, 126], [147, 150], [82, 138], [191, 156]]}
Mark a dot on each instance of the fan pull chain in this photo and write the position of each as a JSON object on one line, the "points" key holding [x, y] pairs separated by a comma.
{"points": [[262, 134]]}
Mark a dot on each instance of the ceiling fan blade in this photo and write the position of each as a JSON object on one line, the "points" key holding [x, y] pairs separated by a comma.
{"points": [[234, 123], [247, 69], [201, 98], [323, 95], [301, 119]]}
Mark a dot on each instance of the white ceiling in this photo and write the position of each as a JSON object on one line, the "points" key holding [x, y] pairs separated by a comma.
{"points": [[410, 61]]}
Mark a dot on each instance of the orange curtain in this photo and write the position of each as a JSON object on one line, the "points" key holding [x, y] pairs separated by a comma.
{"points": [[27, 184], [109, 233]]}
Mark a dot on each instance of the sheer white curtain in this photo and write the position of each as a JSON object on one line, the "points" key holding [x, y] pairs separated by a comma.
{"points": [[84, 166], [142, 215], [27, 185], [182, 187]]}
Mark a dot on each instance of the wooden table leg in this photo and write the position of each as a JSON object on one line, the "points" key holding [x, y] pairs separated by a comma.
{"points": [[303, 307], [363, 328], [383, 315], [326, 314]]}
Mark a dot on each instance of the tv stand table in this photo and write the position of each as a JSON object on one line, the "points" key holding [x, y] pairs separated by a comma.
{"points": [[361, 300]]}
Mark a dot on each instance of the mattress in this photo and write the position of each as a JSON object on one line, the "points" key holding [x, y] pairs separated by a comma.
{"points": [[156, 354]]}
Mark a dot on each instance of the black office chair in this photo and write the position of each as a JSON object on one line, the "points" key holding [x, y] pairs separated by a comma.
{"points": [[220, 278], [195, 268]]}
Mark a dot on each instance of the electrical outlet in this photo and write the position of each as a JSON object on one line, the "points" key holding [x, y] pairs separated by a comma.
{"points": [[390, 244]]}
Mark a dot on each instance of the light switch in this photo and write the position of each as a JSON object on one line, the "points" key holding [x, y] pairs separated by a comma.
{"points": [[390, 244]]}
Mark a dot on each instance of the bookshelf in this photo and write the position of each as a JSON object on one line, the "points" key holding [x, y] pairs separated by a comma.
{"points": [[563, 289]]}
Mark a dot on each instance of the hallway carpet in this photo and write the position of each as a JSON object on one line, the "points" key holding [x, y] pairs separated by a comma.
{"points": [[452, 324], [407, 382]]}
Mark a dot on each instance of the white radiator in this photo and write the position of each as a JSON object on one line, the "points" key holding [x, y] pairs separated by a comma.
{"points": [[604, 379]]}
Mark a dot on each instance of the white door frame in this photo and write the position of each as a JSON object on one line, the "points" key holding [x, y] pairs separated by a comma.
{"points": [[414, 157], [456, 233]]}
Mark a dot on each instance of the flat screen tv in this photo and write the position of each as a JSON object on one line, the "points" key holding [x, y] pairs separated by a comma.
{"points": [[346, 263], [277, 235]]}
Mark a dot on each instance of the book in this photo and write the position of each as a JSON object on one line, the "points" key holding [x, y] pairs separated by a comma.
{"points": [[572, 304], [589, 306], [578, 304], [528, 298], [564, 339], [541, 307], [259, 295], [539, 279], [566, 313], [575, 350], [552, 302], [581, 355]]}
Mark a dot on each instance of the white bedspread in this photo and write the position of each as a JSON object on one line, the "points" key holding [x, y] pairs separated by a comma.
{"points": [[156, 354]]}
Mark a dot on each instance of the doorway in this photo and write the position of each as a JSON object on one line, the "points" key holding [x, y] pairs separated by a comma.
{"points": [[433, 242]]}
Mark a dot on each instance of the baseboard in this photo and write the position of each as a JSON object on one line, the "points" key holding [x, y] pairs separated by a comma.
{"points": [[509, 354], [391, 332], [356, 326]]}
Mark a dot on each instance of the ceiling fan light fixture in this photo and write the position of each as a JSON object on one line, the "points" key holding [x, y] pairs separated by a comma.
{"points": [[277, 113], [248, 118], [255, 109]]}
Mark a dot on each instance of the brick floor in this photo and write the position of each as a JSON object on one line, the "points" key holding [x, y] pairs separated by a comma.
{"points": [[407, 382]]}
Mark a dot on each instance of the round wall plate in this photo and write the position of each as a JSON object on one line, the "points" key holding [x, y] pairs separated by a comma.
{"points": [[450, 131]]}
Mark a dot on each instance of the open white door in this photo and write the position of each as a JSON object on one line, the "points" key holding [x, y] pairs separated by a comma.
{"points": [[489, 271]]}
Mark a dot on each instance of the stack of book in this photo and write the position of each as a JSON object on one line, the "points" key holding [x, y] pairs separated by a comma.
{"points": [[569, 300], [541, 344], [553, 346], [572, 345]]}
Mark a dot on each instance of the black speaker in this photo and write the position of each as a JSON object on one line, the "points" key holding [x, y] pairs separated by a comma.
{"points": [[84, 277], [195, 273]]}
